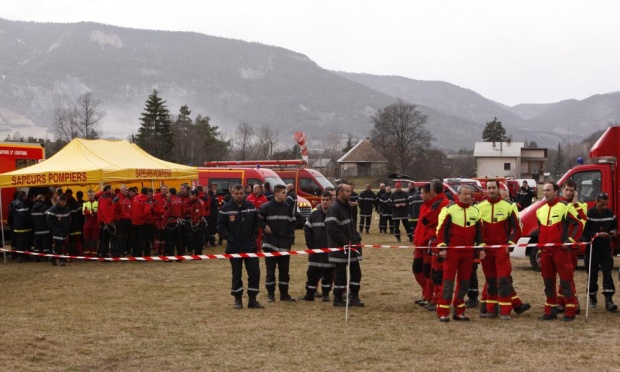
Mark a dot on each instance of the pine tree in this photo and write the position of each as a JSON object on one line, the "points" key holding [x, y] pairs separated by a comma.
{"points": [[559, 164], [349, 145], [214, 147], [494, 132], [155, 133]]}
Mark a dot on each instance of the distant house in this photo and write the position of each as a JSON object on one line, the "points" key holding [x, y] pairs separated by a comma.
{"points": [[509, 159], [362, 161], [324, 165]]}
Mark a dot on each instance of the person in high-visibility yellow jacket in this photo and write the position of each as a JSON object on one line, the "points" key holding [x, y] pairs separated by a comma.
{"points": [[459, 225]]}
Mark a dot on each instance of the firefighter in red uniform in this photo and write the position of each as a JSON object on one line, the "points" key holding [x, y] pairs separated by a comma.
{"points": [[557, 224], [174, 230], [257, 198], [424, 232], [500, 225], [459, 225], [108, 224], [432, 264], [122, 211], [159, 208], [569, 195], [206, 203], [196, 224], [140, 209]]}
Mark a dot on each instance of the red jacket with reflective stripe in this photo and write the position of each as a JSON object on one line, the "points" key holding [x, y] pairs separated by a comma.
{"points": [[459, 224], [500, 221], [426, 229], [558, 223]]}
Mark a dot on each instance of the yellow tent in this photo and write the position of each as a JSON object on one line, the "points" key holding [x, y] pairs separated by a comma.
{"points": [[84, 162]]}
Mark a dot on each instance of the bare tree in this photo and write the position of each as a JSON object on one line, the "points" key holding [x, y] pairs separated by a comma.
{"points": [[266, 141], [333, 144], [400, 135], [87, 115], [66, 124], [244, 142], [79, 121]]}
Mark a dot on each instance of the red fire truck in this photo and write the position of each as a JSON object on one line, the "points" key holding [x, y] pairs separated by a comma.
{"points": [[309, 183], [16, 155], [591, 179]]}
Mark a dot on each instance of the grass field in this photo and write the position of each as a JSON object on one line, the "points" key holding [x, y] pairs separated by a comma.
{"points": [[156, 316]]}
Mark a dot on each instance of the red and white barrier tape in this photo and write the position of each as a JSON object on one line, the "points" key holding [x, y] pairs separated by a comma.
{"points": [[273, 254], [473, 246], [181, 258]]}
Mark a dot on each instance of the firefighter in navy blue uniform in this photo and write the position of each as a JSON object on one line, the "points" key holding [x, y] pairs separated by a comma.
{"points": [[400, 211], [414, 200], [20, 220], [59, 223], [238, 223], [215, 209], [267, 191], [367, 201], [385, 212], [379, 195], [354, 203], [601, 225], [278, 223], [319, 266], [340, 233], [42, 237]]}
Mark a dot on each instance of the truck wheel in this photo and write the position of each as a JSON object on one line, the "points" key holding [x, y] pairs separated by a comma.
{"points": [[535, 258]]}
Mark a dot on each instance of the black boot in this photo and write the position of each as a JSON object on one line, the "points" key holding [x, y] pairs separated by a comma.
{"points": [[339, 301], [361, 229], [253, 304], [238, 303], [309, 296], [592, 302], [609, 304], [271, 296], [355, 301], [553, 315]]}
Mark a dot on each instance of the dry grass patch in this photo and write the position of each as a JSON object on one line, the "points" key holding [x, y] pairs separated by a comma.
{"points": [[178, 316]]}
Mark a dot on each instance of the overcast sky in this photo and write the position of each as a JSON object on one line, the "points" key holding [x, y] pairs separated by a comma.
{"points": [[526, 51]]}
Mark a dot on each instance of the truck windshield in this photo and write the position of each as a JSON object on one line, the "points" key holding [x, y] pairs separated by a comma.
{"points": [[323, 181], [274, 181]]}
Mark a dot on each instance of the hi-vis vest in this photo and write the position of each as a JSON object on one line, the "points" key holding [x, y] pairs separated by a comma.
{"points": [[500, 221], [459, 225], [558, 222]]}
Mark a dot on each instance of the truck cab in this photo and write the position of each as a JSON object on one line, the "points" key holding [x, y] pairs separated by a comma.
{"points": [[13, 156], [309, 183], [225, 176], [591, 179]]}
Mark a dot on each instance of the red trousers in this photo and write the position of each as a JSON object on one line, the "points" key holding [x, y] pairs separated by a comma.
{"points": [[418, 267], [514, 297], [497, 268], [433, 286], [558, 261], [561, 301], [458, 263]]}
